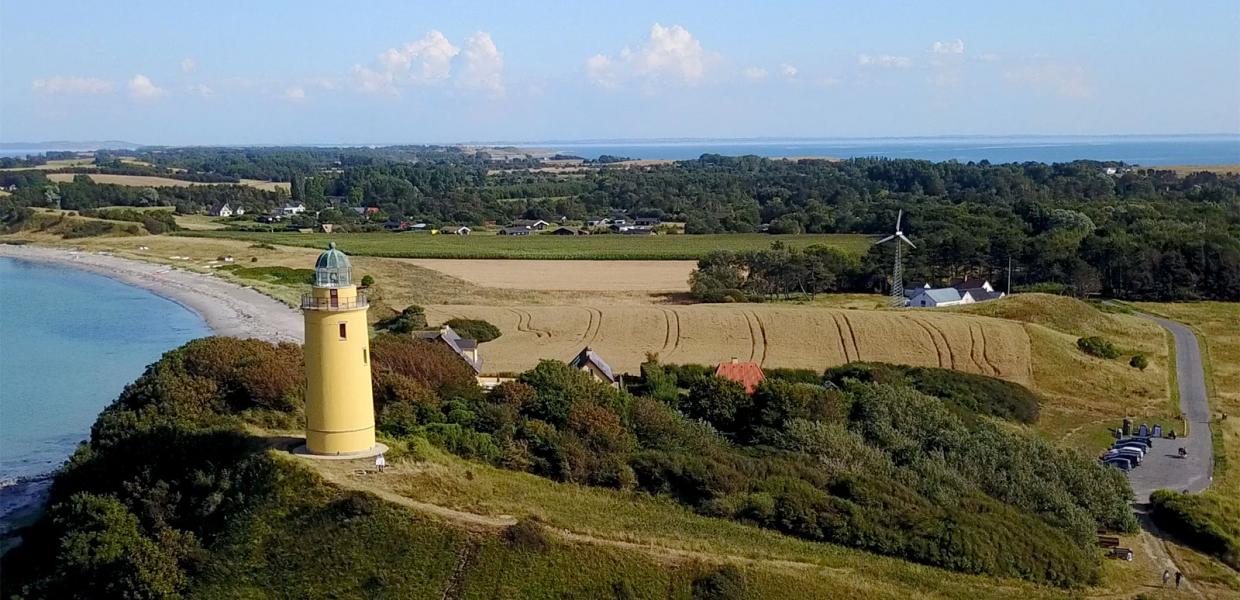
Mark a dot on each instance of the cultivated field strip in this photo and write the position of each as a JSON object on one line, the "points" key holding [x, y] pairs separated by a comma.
{"points": [[775, 336]]}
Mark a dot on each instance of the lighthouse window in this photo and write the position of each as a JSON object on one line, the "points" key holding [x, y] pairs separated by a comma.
{"points": [[365, 357], [343, 333]]}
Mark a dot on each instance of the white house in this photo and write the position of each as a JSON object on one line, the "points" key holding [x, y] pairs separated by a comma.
{"points": [[293, 209], [936, 297], [223, 209]]}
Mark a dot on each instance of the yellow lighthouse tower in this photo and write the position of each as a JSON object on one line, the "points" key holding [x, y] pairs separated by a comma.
{"points": [[340, 414]]}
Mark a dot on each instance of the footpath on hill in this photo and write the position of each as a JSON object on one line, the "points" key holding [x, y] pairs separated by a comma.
{"points": [[1163, 467]]}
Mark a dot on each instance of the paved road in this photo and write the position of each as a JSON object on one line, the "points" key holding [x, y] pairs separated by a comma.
{"points": [[1162, 467]]}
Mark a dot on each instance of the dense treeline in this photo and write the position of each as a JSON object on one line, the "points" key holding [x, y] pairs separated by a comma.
{"points": [[1134, 233], [84, 194], [171, 494]]}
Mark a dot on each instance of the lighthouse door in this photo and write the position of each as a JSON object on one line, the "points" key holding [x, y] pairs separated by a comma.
{"points": [[335, 299]]}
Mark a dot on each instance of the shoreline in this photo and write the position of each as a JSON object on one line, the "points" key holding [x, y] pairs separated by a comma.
{"points": [[228, 309]]}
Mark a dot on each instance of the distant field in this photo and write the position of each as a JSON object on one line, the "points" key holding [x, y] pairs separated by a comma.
{"points": [[543, 247], [151, 181], [1187, 169], [57, 164]]}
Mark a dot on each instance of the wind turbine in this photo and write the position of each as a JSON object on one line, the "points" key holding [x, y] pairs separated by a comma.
{"points": [[897, 277]]}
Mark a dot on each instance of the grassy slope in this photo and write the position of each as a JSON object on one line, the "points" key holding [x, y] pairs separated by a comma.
{"points": [[1217, 331], [1084, 395], [635, 529], [600, 247]]}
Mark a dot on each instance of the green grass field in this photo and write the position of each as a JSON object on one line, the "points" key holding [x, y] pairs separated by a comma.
{"points": [[546, 247]]}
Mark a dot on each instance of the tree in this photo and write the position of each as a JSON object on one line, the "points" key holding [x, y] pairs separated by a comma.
{"points": [[717, 401]]}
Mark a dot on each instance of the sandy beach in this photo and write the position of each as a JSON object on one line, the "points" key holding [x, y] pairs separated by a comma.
{"points": [[228, 309]]}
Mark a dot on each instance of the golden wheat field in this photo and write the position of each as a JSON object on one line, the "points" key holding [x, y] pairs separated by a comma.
{"points": [[579, 275], [774, 336]]}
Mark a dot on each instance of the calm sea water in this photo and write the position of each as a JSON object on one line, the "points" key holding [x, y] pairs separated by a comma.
{"points": [[69, 342], [1141, 150]]}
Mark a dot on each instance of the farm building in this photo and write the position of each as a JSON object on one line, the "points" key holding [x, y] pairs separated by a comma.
{"points": [[535, 224], [748, 374], [589, 361], [454, 230], [515, 231], [936, 297], [293, 209], [465, 348]]}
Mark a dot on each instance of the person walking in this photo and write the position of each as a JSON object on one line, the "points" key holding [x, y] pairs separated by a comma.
{"points": [[380, 462], [1178, 577], [1166, 576]]}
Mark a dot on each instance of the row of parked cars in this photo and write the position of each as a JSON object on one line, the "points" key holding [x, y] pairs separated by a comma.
{"points": [[1126, 454]]}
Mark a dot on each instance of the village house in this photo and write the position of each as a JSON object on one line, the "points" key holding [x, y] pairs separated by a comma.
{"points": [[568, 231], [467, 349], [455, 230], [589, 361], [535, 224], [748, 374], [223, 209], [598, 222], [633, 230], [647, 221], [515, 231], [293, 209], [936, 297]]}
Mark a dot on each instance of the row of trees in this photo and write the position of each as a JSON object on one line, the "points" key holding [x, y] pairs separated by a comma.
{"points": [[780, 272]]}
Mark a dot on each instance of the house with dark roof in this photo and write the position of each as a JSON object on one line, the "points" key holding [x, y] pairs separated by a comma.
{"points": [[936, 297], [465, 348], [647, 221], [535, 224], [568, 231], [914, 287], [223, 209], [515, 231], [455, 230], [589, 361], [748, 374], [981, 295]]}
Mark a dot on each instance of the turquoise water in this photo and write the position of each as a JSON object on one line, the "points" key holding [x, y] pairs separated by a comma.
{"points": [[1145, 150], [69, 342]]}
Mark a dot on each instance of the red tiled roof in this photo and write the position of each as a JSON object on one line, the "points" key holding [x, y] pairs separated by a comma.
{"points": [[748, 374]]}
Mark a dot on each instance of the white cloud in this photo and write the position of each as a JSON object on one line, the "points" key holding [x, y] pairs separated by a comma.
{"points": [[788, 71], [54, 86], [425, 60], [142, 88], [668, 53], [755, 73], [988, 57], [950, 47], [1065, 80], [884, 60], [433, 60], [482, 64], [202, 90], [295, 93], [188, 65]]}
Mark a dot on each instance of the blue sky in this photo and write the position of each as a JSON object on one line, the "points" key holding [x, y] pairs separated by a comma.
{"points": [[385, 72]]}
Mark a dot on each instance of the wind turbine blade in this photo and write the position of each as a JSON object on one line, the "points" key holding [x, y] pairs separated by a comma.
{"points": [[906, 240], [886, 239], [899, 217]]}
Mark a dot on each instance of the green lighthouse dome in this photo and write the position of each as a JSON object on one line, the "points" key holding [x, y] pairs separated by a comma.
{"points": [[333, 269]]}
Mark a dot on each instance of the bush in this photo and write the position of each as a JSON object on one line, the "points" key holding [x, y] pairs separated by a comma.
{"points": [[1097, 346], [367, 281], [1198, 520], [977, 394], [725, 583], [1138, 361], [527, 535], [428, 363], [717, 401], [412, 319], [474, 329]]}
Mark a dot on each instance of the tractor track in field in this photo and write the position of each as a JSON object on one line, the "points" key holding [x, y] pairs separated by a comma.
{"points": [[761, 331], [933, 341], [453, 590], [594, 320], [525, 323], [994, 369], [973, 347], [839, 330], [852, 335], [671, 340], [951, 356]]}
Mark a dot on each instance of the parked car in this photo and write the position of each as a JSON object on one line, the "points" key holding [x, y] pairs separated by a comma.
{"points": [[1135, 448], [1144, 441], [1118, 462], [1135, 455]]}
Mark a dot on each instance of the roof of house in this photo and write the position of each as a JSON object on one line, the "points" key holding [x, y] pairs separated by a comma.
{"points": [[941, 295], [455, 342], [454, 228], [980, 294], [514, 230], [529, 222], [590, 357], [748, 374], [969, 284]]}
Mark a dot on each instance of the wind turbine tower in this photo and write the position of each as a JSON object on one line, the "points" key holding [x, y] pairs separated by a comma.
{"points": [[897, 276]]}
